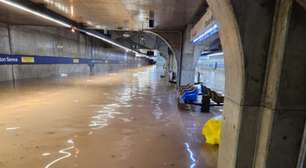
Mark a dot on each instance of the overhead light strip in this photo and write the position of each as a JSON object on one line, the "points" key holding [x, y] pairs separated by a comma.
{"points": [[18, 6], [106, 40], [210, 31], [215, 54]]}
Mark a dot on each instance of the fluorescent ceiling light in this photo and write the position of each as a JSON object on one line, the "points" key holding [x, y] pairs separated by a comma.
{"points": [[210, 31], [106, 40], [16, 5], [215, 54]]}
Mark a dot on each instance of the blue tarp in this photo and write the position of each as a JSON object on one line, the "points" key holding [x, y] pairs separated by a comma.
{"points": [[190, 96]]}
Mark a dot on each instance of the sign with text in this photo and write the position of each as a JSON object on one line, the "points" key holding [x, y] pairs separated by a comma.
{"points": [[6, 59]]}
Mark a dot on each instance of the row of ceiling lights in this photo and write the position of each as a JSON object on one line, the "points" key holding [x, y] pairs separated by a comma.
{"points": [[64, 24]]}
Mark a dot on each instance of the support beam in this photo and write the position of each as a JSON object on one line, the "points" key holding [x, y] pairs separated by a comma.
{"points": [[302, 2], [284, 113], [245, 30], [188, 59]]}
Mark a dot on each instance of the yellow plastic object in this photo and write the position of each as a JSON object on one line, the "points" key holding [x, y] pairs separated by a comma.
{"points": [[212, 130]]}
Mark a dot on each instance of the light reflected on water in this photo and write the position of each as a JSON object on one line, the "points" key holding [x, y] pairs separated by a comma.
{"points": [[103, 116], [191, 156], [66, 154], [12, 128], [117, 120], [46, 154], [157, 112]]}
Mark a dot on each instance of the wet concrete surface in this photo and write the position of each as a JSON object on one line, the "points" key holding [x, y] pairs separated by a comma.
{"points": [[127, 119]]}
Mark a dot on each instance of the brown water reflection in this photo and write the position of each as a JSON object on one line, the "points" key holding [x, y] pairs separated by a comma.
{"points": [[127, 119]]}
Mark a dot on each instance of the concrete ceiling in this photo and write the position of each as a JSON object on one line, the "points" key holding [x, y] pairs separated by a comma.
{"points": [[15, 16], [141, 40], [127, 14]]}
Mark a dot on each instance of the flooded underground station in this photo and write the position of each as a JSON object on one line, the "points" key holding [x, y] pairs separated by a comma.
{"points": [[152, 84], [123, 119]]}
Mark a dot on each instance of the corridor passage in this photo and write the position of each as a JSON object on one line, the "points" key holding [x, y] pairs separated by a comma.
{"points": [[126, 119]]}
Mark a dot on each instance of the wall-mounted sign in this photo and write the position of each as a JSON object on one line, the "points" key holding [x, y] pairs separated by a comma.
{"points": [[76, 61], [9, 60], [27, 60], [6, 59]]}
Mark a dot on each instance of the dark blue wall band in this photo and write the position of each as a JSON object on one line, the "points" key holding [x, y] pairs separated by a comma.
{"points": [[6, 59]]}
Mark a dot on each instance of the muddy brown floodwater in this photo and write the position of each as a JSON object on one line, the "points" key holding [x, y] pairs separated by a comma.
{"points": [[127, 119]]}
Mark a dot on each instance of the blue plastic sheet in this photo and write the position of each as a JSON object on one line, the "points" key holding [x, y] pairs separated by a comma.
{"points": [[190, 96]]}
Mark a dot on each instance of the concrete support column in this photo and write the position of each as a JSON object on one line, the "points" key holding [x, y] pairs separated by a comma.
{"points": [[264, 47], [263, 42], [284, 108], [245, 31], [188, 60]]}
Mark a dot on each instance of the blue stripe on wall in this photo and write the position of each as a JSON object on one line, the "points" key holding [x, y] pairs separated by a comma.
{"points": [[6, 59]]}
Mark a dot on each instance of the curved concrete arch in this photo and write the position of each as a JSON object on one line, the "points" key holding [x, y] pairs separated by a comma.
{"points": [[246, 49], [162, 38], [232, 47], [172, 60], [234, 62]]}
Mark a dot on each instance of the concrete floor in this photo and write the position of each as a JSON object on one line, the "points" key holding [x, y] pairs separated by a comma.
{"points": [[127, 119]]}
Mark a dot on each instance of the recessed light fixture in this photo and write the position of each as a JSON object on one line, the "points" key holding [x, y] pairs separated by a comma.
{"points": [[126, 35]]}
